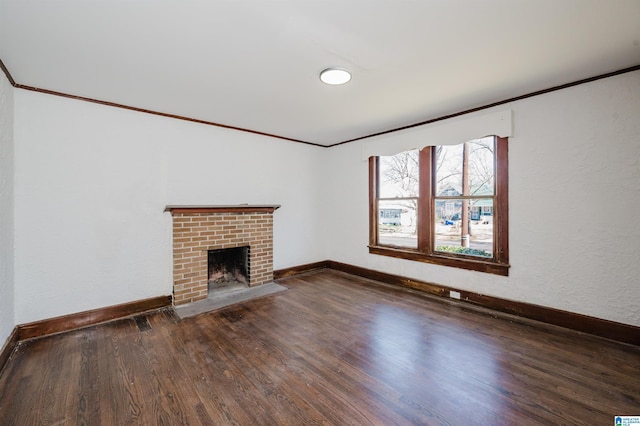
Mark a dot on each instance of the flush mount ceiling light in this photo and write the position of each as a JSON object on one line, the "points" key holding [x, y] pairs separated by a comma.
{"points": [[335, 76]]}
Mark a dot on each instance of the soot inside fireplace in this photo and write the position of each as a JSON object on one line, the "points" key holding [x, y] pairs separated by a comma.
{"points": [[228, 266]]}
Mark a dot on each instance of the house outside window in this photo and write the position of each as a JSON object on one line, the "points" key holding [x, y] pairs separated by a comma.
{"points": [[391, 216]]}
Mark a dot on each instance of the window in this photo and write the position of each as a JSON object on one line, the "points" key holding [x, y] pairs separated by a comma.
{"points": [[444, 204]]}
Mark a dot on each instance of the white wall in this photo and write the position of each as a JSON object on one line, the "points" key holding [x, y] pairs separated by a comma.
{"points": [[91, 185], [574, 162], [7, 320]]}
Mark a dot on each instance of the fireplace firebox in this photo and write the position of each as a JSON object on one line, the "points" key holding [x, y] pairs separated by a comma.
{"points": [[228, 266]]}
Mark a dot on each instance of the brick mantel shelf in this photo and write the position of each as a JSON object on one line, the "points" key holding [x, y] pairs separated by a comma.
{"points": [[198, 229]]}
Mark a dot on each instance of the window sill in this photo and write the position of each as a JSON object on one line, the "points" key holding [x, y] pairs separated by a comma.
{"points": [[444, 260]]}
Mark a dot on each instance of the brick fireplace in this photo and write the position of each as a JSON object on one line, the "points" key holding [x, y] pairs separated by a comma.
{"points": [[197, 230]]}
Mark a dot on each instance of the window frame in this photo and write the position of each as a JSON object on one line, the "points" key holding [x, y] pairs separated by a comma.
{"points": [[425, 252]]}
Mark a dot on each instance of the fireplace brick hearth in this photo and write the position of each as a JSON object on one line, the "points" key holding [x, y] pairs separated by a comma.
{"points": [[198, 229]]}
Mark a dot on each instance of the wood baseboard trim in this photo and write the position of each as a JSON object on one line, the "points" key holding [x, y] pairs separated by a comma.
{"points": [[88, 318], [620, 332], [300, 269], [8, 347]]}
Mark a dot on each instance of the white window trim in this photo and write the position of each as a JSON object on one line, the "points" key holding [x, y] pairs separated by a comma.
{"points": [[451, 132]]}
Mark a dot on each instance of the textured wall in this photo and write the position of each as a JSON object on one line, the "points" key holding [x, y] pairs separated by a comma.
{"points": [[574, 205], [7, 320], [92, 183]]}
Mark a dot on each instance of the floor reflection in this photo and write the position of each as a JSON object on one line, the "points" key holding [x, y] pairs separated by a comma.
{"points": [[463, 367]]}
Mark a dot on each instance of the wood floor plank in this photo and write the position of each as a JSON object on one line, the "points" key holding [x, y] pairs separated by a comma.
{"points": [[88, 401], [332, 349]]}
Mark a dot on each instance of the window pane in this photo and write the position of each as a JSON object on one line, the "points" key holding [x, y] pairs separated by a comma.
{"points": [[448, 227], [399, 175], [481, 166], [397, 223], [449, 168]]}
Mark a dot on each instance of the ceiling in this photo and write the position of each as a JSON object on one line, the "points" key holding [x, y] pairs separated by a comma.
{"points": [[254, 64]]}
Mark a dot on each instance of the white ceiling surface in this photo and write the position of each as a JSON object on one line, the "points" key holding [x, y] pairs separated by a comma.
{"points": [[254, 64]]}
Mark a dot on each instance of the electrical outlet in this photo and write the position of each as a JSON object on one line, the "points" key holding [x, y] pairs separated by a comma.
{"points": [[454, 294]]}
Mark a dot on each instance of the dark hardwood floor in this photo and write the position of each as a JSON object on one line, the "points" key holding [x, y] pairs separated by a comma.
{"points": [[333, 349]]}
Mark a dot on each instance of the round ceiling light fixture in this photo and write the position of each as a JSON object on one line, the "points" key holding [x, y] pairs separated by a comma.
{"points": [[335, 76]]}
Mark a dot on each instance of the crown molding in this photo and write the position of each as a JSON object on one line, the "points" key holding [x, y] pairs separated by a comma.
{"points": [[494, 104], [271, 135]]}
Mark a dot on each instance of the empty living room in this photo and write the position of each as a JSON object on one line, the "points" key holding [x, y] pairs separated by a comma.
{"points": [[320, 212]]}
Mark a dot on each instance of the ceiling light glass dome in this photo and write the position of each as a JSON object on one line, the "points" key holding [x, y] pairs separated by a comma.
{"points": [[335, 76]]}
